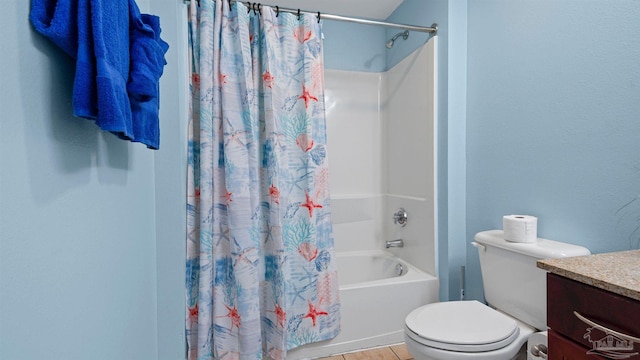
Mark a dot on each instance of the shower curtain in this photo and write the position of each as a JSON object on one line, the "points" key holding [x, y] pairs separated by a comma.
{"points": [[261, 272]]}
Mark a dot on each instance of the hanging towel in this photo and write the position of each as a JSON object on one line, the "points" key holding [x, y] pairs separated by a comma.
{"points": [[66, 23], [119, 60], [110, 26], [147, 54], [85, 92], [57, 21], [147, 51]]}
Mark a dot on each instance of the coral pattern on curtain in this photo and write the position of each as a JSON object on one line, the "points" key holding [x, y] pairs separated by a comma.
{"points": [[261, 271]]}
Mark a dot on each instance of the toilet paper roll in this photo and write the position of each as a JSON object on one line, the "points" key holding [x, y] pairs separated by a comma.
{"points": [[537, 339], [520, 228]]}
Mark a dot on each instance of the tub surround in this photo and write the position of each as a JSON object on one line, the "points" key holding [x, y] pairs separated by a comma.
{"points": [[617, 272], [379, 124], [373, 310]]}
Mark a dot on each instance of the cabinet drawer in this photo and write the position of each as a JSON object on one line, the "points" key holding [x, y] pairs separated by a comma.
{"points": [[561, 348], [601, 309]]}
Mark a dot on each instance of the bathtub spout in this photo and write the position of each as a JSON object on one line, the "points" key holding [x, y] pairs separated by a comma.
{"points": [[394, 243]]}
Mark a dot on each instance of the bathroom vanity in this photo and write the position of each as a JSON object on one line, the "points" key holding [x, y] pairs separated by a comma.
{"points": [[593, 306]]}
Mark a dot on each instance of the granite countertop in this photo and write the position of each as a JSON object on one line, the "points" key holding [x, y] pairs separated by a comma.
{"points": [[618, 272]]}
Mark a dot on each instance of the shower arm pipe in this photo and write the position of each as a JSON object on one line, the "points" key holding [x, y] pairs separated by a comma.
{"points": [[433, 29]]}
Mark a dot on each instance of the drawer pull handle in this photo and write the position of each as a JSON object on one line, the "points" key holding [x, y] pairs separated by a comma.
{"points": [[606, 329]]}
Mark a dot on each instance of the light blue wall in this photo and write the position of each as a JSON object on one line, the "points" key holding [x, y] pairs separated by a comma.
{"points": [[420, 13], [170, 175], [551, 124], [77, 216], [354, 47], [564, 88], [554, 120]]}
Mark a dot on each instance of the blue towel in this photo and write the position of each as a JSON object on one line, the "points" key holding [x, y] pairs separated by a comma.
{"points": [[85, 92], [119, 60], [53, 18], [63, 22], [110, 28], [147, 51]]}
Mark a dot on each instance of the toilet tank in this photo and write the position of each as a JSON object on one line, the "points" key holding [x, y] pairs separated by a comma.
{"points": [[512, 282]]}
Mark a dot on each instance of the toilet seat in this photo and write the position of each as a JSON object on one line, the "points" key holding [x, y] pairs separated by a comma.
{"points": [[464, 326]]}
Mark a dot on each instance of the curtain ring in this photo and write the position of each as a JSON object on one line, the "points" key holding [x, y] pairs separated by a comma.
{"points": [[298, 14], [254, 8], [318, 17], [248, 7], [277, 11], [260, 9]]}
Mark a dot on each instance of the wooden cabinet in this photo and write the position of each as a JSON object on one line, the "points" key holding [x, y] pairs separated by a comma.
{"points": [[590, 323], [562, 348]]}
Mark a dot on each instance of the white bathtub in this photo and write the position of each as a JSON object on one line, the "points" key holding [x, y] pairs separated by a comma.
{"points": [[374, 302]]}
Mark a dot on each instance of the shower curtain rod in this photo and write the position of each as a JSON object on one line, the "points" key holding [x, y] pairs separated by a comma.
{"points": [[433, 29]]}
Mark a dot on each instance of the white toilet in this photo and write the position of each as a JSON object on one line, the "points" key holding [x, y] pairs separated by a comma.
{"points": [[517, 295]]}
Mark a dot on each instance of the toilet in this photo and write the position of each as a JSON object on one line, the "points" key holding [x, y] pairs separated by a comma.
{"points": [[516, 292]]}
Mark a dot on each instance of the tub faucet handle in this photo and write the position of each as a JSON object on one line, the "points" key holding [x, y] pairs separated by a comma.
{"points": [[394, 243], [400, 217]]}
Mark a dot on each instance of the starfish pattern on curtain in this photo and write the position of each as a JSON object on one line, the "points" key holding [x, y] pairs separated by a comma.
{"points": [[261, 271]]}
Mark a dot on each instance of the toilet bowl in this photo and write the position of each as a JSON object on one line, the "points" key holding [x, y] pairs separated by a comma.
{"points": [[513, 286], [463, 330]]}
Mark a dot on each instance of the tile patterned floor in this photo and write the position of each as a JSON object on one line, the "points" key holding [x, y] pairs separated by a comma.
{"points": [[395, 352]]}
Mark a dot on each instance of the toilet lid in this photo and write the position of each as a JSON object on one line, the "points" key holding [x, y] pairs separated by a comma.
{"points": [[461, 326]]}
